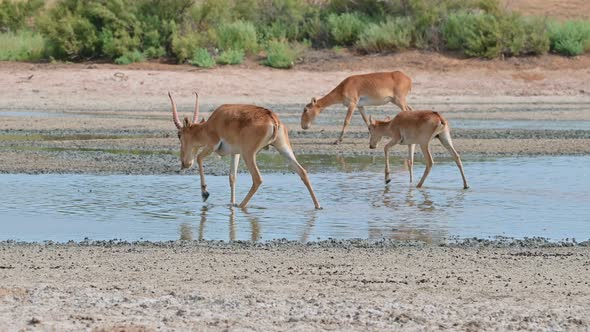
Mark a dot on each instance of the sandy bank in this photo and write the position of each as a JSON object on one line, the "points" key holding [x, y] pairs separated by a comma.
{"points": [[293, 287]]}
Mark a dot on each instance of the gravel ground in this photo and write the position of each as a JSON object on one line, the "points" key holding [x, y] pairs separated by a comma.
{"points": [[277, 286]]}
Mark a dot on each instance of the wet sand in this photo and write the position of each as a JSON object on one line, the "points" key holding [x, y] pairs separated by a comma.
{"points": [[344, 285]]}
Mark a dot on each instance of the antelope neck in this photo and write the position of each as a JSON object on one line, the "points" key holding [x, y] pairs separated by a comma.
{"points": [[329, 99]]}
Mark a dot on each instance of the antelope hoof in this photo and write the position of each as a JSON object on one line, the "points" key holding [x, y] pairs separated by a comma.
{"points": [[387, 181], [338, 141], [466, 187], [205, 195]]}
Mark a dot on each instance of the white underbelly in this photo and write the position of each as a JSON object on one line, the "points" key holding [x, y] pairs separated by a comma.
{"points": [[223, 148], [369, 101]]}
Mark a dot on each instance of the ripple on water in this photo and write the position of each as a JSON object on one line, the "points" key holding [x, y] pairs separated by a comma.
{"points": [[517, 197]]}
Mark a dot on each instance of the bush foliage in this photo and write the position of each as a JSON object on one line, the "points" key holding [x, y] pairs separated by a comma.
{"points": [[345, 28], [279, 54], [21, 46], [393, 35], [570, 38], [14, 15], [124, 31], [202, 58], [231, 57], [239, 35]]}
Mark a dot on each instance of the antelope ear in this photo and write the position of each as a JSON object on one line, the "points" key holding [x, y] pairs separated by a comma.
{"points": [[314, 101], [187, 122], [203, 120]]}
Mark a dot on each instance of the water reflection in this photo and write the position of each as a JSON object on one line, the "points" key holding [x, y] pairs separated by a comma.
{"points": [[416, 214], [504, 200], [186, 230], [312, 216]]}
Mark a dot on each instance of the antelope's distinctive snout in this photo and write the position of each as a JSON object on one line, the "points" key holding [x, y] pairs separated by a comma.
{"points": [[186, 165], [371, 146]]}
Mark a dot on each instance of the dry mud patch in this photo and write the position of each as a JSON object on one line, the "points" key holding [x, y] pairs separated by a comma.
{"points": [[294, 286]]}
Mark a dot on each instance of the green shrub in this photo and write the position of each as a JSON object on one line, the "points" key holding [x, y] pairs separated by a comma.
{"points": [[523, 35], [537, 36], [21, 46], [393, 35], [279, 54], [78, 29], [372, 8], [202, 58], [239, 35], [82, 29], [14, 13], [130, 57], [570, 38], [277, 30], [231, 57], [489, 36], [287, 11], [345, 28], [154, 52], [476, 34], [183, 42], [315, 29]]}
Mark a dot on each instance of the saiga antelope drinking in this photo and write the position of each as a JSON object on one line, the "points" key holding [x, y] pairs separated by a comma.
{"points": [[235, 130], [417, 127], [360, 91]]}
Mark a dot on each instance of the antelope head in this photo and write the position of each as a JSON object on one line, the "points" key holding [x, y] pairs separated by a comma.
{"points": [[376, 131], [310, 111], [188, 133]]}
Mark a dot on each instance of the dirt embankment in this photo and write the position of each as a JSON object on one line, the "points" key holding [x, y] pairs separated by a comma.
{"points": [[103, 118]]}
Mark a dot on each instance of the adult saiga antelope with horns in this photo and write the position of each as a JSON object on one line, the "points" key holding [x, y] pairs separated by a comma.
{"points": [[235, 130], [417, 127]]}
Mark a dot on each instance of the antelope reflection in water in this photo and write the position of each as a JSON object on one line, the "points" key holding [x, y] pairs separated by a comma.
{"points": [[429, 212], [186, 232]]}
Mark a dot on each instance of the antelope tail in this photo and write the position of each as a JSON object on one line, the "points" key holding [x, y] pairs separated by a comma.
{"points": [[276, 127], [441, 119]]}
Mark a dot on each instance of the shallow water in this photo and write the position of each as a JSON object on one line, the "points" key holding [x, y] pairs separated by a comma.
{"points": [[293, 122], [516, 197]]}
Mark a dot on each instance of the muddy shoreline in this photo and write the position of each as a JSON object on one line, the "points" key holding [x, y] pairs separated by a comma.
{"points": [[106, 119]]}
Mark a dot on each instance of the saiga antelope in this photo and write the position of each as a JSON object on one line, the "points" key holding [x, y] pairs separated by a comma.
{"points": [[360, 91], [417, 127], [235, 130], [372, 89]]}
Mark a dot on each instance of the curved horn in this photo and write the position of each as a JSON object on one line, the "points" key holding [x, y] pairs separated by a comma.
{"points": [[196, 116], [174, 112]]}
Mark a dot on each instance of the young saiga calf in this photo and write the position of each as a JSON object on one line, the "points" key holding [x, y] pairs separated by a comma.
{"points": [[235, 130], [417, 127]]}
